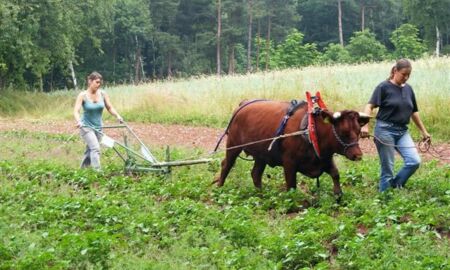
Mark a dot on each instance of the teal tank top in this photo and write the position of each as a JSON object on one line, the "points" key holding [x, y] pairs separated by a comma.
{"points": [[92, 112]]}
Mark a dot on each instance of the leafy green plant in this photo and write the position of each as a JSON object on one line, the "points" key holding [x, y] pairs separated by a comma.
{"points": [[335, 53], [407, 43], [364, 47], [55, 216], [292, 53]]}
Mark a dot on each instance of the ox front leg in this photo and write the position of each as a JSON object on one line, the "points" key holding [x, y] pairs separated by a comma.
{"points": [[227, 164], [257, 172], [334, 173], [290, 175]]}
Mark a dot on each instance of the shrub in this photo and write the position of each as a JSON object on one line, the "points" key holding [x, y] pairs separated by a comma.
{"points": [[364, 47], [292, 53], [407, 43], [335, 53]]}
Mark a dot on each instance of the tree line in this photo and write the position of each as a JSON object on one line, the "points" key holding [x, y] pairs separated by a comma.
{"points": [[54, 44]]}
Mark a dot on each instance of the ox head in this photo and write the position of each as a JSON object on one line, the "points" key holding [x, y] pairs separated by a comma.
{"points": [[346, 128]]}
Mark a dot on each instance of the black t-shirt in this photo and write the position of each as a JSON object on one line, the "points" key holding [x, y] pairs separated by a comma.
{"points": [[396, 103]]}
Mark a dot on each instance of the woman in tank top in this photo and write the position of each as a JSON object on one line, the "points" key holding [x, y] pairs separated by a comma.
{"points": [[93, 100]]}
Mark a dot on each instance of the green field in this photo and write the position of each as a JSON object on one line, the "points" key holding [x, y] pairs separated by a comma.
{"points": [[55, 216]]}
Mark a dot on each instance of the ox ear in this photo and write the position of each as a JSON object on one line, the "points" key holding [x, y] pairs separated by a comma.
{"points": [[329, 117], [363, 119]]}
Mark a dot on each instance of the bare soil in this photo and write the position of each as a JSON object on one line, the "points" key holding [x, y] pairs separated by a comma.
{"points": [[180, 135]]}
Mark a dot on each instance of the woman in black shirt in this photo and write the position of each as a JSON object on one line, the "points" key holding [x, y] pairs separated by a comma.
{"points": [[397, 105]]}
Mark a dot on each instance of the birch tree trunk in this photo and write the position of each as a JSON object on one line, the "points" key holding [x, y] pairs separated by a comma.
{"points": [[231, 62], [41, 83], [141, 61], [249, 36], [363, 16], [269, 24], [153, 58], [438, 42], [341, 35], [169, 66], [137, 63], [219, 29], [72, 73], [258, 44]]}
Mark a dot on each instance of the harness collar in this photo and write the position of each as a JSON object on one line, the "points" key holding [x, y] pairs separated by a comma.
{"points": [[315, 104]]}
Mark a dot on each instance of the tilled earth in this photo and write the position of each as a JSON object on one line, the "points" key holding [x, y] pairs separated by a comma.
{"points": [[180, 135]]}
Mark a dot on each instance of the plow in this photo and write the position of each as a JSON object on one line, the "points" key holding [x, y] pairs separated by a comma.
{"points": [[137, 156]]}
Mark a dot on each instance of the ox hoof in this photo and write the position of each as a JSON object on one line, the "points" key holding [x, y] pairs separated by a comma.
{"points": [[338, 197], [218, 182]]}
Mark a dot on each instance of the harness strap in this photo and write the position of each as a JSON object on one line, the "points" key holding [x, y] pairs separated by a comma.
{"points": [[294, 105]]}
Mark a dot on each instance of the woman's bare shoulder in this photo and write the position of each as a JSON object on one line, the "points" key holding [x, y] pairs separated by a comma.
{"points": [[81, 94]]}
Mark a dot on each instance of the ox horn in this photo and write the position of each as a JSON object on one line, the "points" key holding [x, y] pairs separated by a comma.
{"points": [[364, 115], [336, 115]]}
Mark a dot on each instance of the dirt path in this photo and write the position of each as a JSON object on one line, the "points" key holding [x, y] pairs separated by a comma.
{"points": [[173, 135]]}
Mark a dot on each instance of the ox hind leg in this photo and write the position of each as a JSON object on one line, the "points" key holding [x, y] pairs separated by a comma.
{"points": [[227, 164], [257, 172]]}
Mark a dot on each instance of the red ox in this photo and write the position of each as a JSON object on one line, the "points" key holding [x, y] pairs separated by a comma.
{"points": [[336, 133]]}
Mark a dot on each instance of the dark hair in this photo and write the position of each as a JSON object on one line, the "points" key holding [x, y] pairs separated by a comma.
{"points": [[94, 76], [399, 64]]}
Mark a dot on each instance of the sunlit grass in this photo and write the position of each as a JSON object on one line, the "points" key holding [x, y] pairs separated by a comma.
{"points": [[210, 100]]}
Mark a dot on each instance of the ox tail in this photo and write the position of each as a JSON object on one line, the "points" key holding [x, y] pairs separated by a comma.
{"points": [[242, 105]]}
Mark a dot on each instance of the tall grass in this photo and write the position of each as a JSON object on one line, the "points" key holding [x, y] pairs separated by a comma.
{"points": [[211, 100]]}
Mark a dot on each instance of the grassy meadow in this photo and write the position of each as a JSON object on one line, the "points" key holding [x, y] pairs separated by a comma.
{"points": [[55, 216], [211, 100]]}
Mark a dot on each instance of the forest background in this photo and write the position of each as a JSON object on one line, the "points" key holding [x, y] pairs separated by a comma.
{"points": [[47, 45]]}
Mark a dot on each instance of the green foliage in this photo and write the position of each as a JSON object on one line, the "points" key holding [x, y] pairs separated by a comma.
{"points": [[134, 41], [267, 48], [364, 47], [429, 15], [39, 39], [446, 50], [55, 216], [292, 53], [407, 43], [335, 53]]}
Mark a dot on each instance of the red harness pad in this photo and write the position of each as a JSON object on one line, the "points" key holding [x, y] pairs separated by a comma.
{"points": [[312, 124]]}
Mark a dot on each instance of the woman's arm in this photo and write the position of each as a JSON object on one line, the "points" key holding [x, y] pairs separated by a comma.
{"points": [[110, 107], [416, 119], [365, 129], [77, 108]]}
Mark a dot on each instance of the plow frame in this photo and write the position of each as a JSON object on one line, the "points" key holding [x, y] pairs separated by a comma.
{"points": [[143, 161]]}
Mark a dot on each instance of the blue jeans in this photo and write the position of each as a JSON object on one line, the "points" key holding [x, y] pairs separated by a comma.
{"points": [[399, 136]]}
